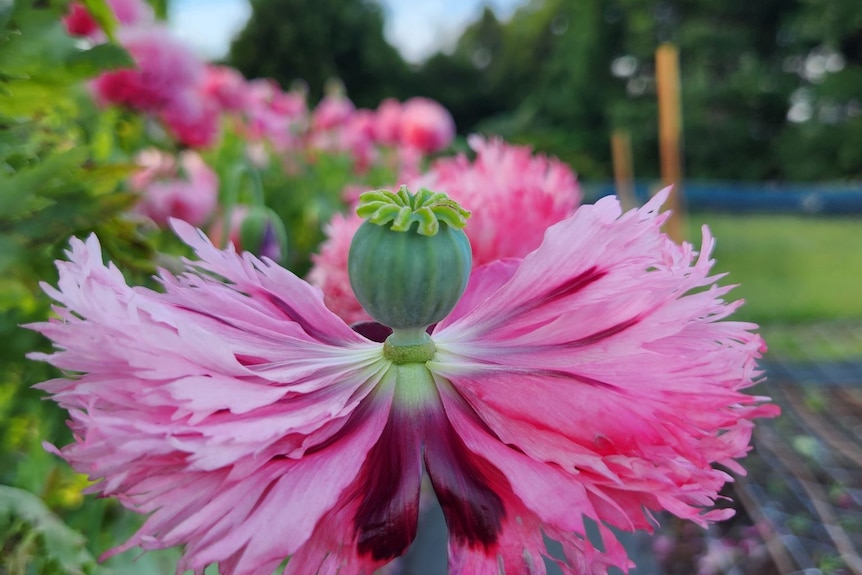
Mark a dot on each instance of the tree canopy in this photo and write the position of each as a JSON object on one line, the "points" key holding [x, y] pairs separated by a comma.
{"points": [[314, 41], [769, 89]]}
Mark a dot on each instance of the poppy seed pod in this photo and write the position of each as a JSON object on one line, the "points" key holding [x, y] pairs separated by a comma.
{"points": [[410, 261]]}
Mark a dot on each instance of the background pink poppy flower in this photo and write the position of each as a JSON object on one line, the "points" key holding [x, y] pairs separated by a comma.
{"points": [[275, 116], [154, 164], [226, 86], [514, 196], [594, 379], [333, 111], [426, 125], [165, 69], [79, 21], [387, 122], [329, 271], [191, 196], [193, 118]]}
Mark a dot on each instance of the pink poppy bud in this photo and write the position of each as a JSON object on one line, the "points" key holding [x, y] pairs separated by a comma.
{"points": [[255, 229], [426, 125], [262, 233]]}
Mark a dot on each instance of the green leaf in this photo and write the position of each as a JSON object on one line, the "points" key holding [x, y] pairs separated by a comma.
{"points": [[18, 195], [5, 12], [102, 13], [99, 58], [43, 532]]}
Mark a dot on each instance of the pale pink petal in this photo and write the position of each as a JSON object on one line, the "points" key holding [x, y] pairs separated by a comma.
{"points": [[233, 408], [604, 356]]}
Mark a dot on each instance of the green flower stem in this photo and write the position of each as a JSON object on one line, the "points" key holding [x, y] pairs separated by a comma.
{"points": [[409, 345], [232, 195], [415, 385]]}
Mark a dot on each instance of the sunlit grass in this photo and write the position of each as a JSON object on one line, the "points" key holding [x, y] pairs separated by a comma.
{"points": [[790, 269]]}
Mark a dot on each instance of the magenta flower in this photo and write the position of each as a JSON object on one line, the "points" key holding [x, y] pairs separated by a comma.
{"points": [[165, 193], [594, 379], [426, 125], [165, 69], [521, 195], [275, 116], [193, 118], [227, 87], [79, 22], [333, 111], [387, 122]]}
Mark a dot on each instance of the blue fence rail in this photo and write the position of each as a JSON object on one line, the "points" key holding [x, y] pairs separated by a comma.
{"points": [[755, 198]]}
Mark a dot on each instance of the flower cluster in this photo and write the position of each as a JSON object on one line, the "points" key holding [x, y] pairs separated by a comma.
{"points": [[191, 99], [595, 380], [166, 80]]}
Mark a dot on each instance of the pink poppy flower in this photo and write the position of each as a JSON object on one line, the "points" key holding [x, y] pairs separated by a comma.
{"points": [[333, 111], [387, 122], [191, 196], [227, 87], [79, 22], [275, 116], [329, 272], [165, 69], [193, 118], [520, 194], [595, 379], [354, 137], [426, 125]]}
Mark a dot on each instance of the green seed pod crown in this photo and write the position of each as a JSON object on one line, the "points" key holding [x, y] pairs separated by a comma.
{"points": [[410, 260]]}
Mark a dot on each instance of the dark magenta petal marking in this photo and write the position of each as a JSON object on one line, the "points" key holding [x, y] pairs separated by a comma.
{"points": [[390, 478], [297, 317], [372, 330], [572, 286], [605, 333], [467, 487], [377, 331]]}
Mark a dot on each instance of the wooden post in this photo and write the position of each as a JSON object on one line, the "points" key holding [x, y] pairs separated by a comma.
{"points": [[621, 153], [670, 134]]}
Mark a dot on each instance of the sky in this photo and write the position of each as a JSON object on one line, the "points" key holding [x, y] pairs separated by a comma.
{"points": [[418, 28]]}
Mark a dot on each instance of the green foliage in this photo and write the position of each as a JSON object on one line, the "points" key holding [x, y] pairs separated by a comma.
{"points": [[52, 185], [33, 539], [563, 74], [789, 268]]}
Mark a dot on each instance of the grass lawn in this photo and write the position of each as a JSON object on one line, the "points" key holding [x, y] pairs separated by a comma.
{"points": [[790, 269], [801, 278]]}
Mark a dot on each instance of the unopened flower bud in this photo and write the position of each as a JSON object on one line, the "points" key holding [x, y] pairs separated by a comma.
{"points": [[263, 234]]}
